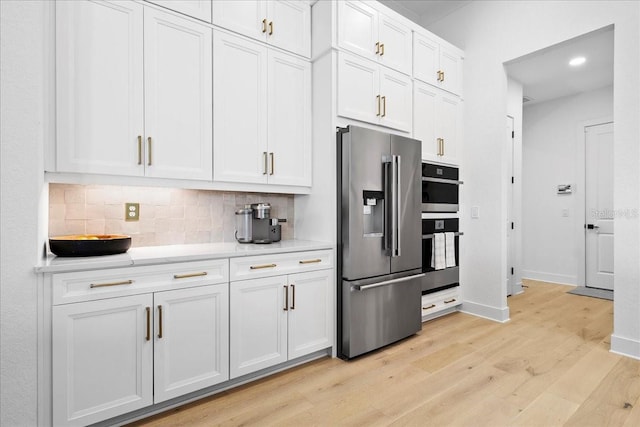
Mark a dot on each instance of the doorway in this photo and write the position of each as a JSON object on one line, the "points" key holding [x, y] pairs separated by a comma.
{"points": [[599, 212]]}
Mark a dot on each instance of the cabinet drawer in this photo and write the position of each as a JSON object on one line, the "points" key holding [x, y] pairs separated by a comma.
{"points": [[98, 284], [274, 265], [439, 301]]}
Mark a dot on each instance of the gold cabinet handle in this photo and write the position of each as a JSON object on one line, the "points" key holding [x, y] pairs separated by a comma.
{"points": [[310, 261], [139, 149], [187, 275], [271, 28], [442, 77], [101, 285], [442, 142], [378, 100], [159, 321], [286, 298], [148, 337], [258, 267], [381, 49], [384, 106], [149, 142], [264, 157], [264, 25], [377, 48], [449, 301], [428, 307], [293, 297], [271, 157]]}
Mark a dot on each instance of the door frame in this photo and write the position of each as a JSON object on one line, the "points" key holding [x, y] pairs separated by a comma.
{"points": [[580, 194]]}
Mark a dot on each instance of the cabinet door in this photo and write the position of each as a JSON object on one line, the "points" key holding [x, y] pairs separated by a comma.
{"points": [[396, 93], [258, 324], [396, 51], [99, 87], [239, 110], [358, 28], [178, 97], [450, 64], [358, 88], [425, 59], [192, 352], [289, 120], [200, 9], [310, 322], [247, 17], [449, 126], [425, 104], [289, 26], [102, 359]]}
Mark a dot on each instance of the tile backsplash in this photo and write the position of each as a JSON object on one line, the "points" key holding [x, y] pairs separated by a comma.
{"points": [[168, 216]]}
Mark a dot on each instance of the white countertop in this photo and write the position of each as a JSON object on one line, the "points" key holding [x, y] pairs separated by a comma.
{"points": [[174, 253]]}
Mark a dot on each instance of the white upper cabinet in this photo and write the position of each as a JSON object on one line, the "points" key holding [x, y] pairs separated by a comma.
{"points": [[99, 84], [369, 33], [262, 114], [200, 9], [373, 93], [436, 64], [284, 23], [131, 101], [178, 97]]}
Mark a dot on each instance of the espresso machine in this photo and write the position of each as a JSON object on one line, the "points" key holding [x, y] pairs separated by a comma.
{"points": [[261, 222], [255, 225]]}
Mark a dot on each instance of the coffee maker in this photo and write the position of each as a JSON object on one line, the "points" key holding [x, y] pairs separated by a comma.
{"points": [[261, 226], [255, 225]]}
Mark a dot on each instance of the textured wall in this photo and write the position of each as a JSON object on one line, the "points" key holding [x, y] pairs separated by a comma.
{"points": [[167, 216]]}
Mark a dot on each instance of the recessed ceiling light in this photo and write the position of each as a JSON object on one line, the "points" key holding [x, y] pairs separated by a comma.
{"points": [[577, 61]]}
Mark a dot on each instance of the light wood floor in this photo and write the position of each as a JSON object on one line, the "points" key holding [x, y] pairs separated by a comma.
{"points": [[548, 366]]}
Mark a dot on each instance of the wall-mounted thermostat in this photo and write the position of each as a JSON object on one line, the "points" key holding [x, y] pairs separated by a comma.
{"points": [[564, 189]]}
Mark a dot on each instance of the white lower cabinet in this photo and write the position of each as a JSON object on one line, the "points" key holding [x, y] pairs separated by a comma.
{"points": [[440, 303], [278, 318]]}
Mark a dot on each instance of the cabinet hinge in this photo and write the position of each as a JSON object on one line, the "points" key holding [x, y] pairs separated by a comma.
{"points": [[512, 225], [513, 180], [512, 271], [513, 134]]}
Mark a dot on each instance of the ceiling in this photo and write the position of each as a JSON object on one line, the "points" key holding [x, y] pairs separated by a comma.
{"points": [[544, 74]]}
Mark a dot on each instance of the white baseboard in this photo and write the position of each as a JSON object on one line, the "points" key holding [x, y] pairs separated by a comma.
{"points": [[492, 313], [625, 346], [561, 279]]}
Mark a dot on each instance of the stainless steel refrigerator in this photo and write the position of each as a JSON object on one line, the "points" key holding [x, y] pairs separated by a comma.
{"points": [[379, 239]]}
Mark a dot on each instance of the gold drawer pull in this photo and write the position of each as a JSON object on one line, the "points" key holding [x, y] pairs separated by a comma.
{"points": [[148, 336], [449, 301], [100, 285], [258, 267], [184, 276], [428, 307], [310, 261]]}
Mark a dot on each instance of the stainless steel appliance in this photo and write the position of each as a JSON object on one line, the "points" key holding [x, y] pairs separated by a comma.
{"points": [[244, 224], [437, 280], [440, 187], [379, 239], [261, 222]]}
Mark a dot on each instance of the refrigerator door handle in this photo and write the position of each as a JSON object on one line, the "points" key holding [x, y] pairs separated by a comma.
{"points": [[398, 204], [395, 206], [388, 235], [388, 282]]}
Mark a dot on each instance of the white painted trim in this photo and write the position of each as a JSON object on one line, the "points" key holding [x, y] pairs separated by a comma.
{"points": [[625, 346], [560, 279], [496, 314]]}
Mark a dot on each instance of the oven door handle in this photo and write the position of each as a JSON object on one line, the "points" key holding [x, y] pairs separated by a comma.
{"points": [[442, 180], [387, 282]]}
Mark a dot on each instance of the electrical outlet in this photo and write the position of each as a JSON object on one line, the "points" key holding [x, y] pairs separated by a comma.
{"points": [[131, 211]]}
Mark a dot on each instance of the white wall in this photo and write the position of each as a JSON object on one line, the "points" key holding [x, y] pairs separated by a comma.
{"points": [[554, 154], [492, 33], [22, 196], [514, 109]]}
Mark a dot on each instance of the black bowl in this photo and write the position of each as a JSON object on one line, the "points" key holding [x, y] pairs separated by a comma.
{"points": [[89, 245]]}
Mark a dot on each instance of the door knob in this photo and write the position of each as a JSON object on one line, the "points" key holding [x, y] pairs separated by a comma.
{"points": [[591, 226]]}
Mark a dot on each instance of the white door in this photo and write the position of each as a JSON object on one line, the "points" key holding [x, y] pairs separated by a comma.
{"points": [[99, 87], [358, 88], [396, 93], [358, 28], [178, 97], [449, 126], [247, 17], [200, 9], [450, 67], [102, 359], [289, 118], [396, 50], [310, 316], [425, 59], [599, 206], [289, 26], [425, 101], [240, 151], [257, 324]]}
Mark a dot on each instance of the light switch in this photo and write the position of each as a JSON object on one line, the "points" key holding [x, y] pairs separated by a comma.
{"points": [[475, 211]]}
